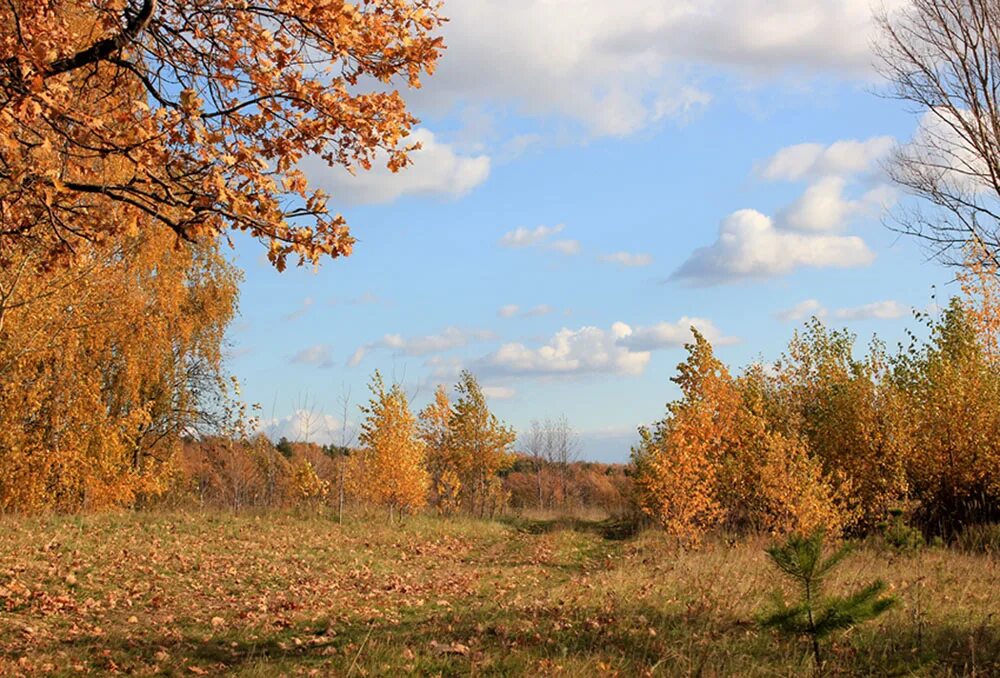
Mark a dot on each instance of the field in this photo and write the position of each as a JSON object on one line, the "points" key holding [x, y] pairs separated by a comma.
{"points": [[291, 594]]}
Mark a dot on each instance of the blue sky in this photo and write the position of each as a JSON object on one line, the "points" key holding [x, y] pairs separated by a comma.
{"points": [[595, 178]]}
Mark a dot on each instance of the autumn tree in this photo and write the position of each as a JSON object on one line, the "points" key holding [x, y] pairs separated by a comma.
{"points": [[434, 426], [104, 366], [677, 461], [391, 459], [714, 460], [224, 101], [481, 447], [840, 405], [951, 398]]}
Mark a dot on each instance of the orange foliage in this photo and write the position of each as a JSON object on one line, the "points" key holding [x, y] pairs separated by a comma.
{"points": [[479, 447], [104, 366], [715, 462], [390, 469], [224, 99]]}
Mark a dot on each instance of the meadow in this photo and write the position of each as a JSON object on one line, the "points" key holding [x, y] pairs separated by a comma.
{"points": [[298, 593]]}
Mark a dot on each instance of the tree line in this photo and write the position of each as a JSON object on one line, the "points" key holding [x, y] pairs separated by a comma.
{"points": [[825, 439]]}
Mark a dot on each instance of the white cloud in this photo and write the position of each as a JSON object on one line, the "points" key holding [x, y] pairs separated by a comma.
{"points": [[437, 169], [317, 355], [879, 310], [627, 259], [749, 246], [566, 247], [450, 338], [823, 206], [619, 67], [588, 350], [303, 426], [499, 392], [527, 237], [621, 350], [801, 311], [673, 335], [813, 161], [508, 311], [307, 303]]}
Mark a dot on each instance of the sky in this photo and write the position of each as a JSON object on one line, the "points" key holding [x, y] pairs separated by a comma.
{"points": [[595, 178]]}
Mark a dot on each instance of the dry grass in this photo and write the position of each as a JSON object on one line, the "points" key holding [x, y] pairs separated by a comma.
{"points": [[280, 594]]}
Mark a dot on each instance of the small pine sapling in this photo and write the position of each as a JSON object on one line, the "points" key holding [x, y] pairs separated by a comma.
{"points": [[816, 616]]}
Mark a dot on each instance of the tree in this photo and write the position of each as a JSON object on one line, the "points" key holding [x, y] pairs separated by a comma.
{"points": [[196, 114], [434, 425], [801, 559], [842, 408], [715, 460], [941, 56], [677, 462], [950, 399], [392, 455], [481, 446], [105, 366]]}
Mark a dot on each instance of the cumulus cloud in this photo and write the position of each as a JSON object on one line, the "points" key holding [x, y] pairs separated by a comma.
{"points": [[588, 350], [621, 350], [801, 311], [450, 338], [509, 311], [673, 335], [824, 207], [813, 161], [628, 259], [879, 310], [750, 246], [619, 67], [437, 169], [317, 355], [522, 237], [844, 187]]}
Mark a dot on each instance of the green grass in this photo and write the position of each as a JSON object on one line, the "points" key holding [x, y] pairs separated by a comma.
{"points": [[284, 594]]}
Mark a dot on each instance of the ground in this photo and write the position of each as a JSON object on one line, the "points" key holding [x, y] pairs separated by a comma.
{"points": [[293, 594]]}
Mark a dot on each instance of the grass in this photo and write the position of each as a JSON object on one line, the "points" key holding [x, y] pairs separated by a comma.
{"points": [[284, 594]]}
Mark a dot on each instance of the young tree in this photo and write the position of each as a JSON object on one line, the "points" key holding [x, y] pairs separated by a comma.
{"points": [[815, 616], [434, 425], [715, 460], [480, 444], [950, 395], [222, 101], [842, 408], [678, 461], [392, 455]]}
